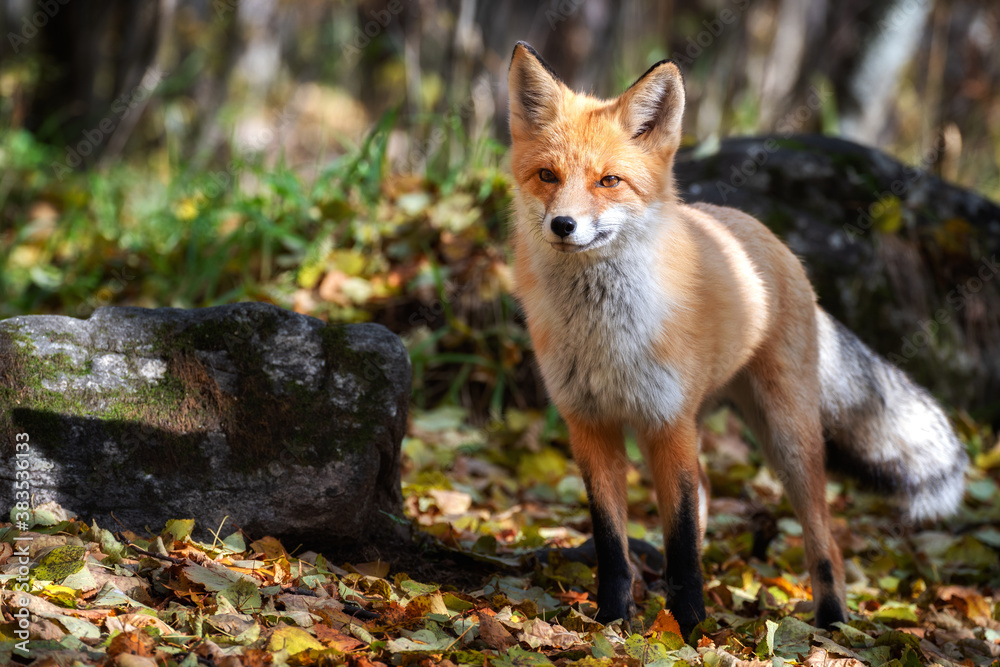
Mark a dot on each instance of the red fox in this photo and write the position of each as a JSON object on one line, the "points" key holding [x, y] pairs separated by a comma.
{"points": [[645, 312]]}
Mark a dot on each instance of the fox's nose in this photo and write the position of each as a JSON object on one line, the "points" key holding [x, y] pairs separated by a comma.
{"points": [[563, 226]]}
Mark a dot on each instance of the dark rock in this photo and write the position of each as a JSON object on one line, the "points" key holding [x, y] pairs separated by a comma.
{"points": [[906, 260], [286, 425]]}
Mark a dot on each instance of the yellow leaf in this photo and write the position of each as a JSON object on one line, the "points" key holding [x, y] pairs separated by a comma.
{"points": [[888, 214], [63, 595], [294, 640], [60, 563]]}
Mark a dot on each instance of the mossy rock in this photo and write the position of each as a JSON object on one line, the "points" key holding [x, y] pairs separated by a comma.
{"points": [[288, 426]]}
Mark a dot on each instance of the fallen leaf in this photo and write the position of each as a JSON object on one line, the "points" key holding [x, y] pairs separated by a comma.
{"points": [[293, 640], [60, 563], [665, 622], [495, 635], [134, 642], [336, 639]]}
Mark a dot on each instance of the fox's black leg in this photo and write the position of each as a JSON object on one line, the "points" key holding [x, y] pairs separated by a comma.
{"points": [[614, 573], [672, 453], [685, 597], [599, 450]]}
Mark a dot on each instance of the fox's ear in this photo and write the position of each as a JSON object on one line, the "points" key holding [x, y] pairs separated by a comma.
{"points": [[653, 107], [534, 90]]}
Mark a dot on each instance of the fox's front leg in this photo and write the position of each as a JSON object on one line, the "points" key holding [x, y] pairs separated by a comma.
{"points": [[672, 453], [599, 450]]}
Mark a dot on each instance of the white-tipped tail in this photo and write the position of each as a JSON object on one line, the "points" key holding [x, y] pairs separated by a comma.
{"points": [[884, 429]]}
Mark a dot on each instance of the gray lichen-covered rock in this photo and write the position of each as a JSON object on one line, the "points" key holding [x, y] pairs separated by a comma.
{"points": [[286, 425], [906, 260]]}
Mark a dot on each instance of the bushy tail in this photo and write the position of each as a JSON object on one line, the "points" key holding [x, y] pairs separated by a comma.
{"points": [[885, 430]]}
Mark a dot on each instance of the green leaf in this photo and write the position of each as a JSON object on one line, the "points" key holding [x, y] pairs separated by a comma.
{"points": [[766, 647], [178, 529], [792, 638], [235, 543], [602, 648], [60, 563], [518, 657], [79, 627], [896, 612], [421, 640], [415, 588], [213, 579], [455, 603], [244, 596]]}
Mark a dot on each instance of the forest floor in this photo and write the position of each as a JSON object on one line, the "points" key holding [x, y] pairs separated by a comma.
{"points": [[476, 589]]}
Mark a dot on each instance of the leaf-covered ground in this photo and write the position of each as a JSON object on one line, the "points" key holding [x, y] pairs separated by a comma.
{"points": [[479, 591]]}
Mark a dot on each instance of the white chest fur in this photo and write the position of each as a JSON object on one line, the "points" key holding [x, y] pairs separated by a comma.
{"points": [[604, 318]]}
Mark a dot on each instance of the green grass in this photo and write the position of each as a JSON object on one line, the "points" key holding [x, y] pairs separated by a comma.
{"points": [[139, 234]]}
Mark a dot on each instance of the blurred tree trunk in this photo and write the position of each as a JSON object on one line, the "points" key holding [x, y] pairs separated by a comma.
{"points": [[74, 44], [860, 46], [576, 38], [889, 44]]}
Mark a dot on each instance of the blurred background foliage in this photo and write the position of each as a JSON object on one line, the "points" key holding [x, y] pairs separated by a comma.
{"points": [[346, 159]]}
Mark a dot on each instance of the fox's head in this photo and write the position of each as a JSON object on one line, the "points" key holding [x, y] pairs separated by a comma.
{"points": [[588, 170]]}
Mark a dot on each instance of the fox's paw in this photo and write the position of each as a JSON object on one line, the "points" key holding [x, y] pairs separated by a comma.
{"points": [[829, 610], [615, 602]]}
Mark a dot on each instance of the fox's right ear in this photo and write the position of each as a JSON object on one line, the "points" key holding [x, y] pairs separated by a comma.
{"points": [[534, 90]]}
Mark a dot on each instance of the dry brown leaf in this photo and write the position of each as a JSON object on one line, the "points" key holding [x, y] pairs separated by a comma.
{"points": [[336, 639], [537, 633], [140, 621], [571, 597], [494, 634], [130, 660], [255, 657], [819, 657], [271, 547], [378, 569], [135, 642], [43, 629], [968, 601], [727, 659]]}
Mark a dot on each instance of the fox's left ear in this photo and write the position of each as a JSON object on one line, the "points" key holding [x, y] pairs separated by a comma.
{"points": [[653, 107]]}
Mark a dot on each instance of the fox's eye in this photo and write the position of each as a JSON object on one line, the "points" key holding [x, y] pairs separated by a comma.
{"points": [[610, 181], [547, 176]]}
